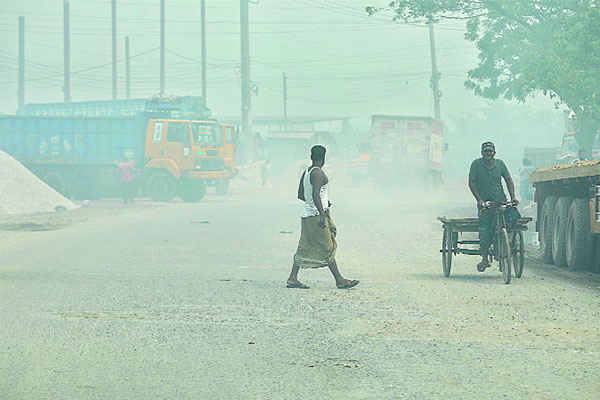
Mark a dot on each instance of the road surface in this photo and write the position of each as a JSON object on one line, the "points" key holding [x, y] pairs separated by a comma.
{"points": [[188, 301]]}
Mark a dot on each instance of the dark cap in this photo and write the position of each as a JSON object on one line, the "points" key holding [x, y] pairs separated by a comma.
{"points": [[488, 146]]}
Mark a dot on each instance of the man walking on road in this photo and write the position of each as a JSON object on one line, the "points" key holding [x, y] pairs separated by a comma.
{"points": [[125, 171], [317, 244], [486, 185]]}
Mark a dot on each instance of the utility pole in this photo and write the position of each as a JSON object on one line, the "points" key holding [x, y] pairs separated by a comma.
{"points": [[67, 53], [203, 23], [285, 119], [114, 49], [127, 70], [162, 48], [21, 61], [435, 76], [246, 82]]}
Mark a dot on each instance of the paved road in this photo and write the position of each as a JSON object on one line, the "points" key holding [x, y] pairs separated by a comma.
{"points": [[188, 301]]}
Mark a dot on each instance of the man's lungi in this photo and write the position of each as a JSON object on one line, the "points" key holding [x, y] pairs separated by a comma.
{"points": [[317, 246]]}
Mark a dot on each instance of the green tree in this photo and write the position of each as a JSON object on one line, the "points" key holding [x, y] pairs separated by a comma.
{"points": [[527, 46]]}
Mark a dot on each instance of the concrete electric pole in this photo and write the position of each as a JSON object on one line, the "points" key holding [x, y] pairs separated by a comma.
{"points": [[21, 61], [246, 82], [435, 76], [203, 23], [114, 49], [162, 48], [127, 70], [285, 118], [67, 53]]}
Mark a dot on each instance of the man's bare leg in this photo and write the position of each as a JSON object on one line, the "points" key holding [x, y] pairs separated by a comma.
{"points": [[484, 261], [293, 279], [340, 281]]}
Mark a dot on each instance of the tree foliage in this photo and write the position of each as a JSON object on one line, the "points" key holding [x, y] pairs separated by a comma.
{"points": [[527, 46]]}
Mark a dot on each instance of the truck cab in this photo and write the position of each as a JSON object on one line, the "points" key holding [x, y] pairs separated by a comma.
{"points": [[183, 157]]}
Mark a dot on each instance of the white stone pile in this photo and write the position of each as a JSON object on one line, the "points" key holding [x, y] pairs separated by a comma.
{"points": [[21, 192]]}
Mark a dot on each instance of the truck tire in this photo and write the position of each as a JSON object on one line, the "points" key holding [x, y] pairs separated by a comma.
{"points": [[86, 188], [222, 187], [192, 192], [579, 237], [559, 231], [58, 182], [161, 187], [545, 234]]}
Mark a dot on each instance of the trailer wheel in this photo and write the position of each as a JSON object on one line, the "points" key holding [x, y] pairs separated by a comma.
{"points": [[222, 187], [559, 231], [579, 237], [545, 234], [192, 192], [58, 182], [161, 187]]}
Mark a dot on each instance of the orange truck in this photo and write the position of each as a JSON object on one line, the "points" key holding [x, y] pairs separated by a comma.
{"points": [[77, 156], [74, 147], [185, 157]]}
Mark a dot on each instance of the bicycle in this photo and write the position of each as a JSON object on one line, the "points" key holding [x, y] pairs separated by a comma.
{"points": [[507, 245]]}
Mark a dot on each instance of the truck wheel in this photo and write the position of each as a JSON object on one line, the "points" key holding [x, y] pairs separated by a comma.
{"points": [[58, 182], [559, 231], [161, 187], [579, 237], [222, 187], [86, 187], [192, 192], [545, 235]]}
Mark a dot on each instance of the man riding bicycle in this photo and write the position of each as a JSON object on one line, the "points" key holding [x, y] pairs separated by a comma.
{"points": [[486, 185]]}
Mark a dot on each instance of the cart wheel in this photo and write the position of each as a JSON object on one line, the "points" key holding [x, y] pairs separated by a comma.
{"points": [[447, 251], [504, 253], [518, 253]]}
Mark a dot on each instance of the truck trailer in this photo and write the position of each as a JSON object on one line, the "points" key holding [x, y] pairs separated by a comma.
{"points": [[568, 214], [78, 155], [406, 150], [184, 107]]}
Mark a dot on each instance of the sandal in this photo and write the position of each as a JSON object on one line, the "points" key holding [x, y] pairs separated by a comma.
{"points": [[298, 285], [349, 284], [481, 267]]}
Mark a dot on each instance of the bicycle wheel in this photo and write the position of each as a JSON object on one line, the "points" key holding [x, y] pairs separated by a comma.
{"points": [[504, 254], [518, 253], [447, 251]]}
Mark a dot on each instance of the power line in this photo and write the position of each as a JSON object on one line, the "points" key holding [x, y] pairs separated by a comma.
{"points": [[85, 69]]}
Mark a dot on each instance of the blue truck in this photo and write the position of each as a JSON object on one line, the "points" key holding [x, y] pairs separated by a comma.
{"points": [[75, 147]]}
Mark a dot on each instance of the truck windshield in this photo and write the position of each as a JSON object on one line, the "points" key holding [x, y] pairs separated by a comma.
{"points": [[206, 133]]}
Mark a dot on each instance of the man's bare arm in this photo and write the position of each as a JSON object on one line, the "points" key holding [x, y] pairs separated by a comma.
{"points": [[301, 188], [511, 187], [316, 178]]}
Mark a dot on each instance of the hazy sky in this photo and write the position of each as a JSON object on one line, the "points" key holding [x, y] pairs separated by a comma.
{"points": [[338, 60]]}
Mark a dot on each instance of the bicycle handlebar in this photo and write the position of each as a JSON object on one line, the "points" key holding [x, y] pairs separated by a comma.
{"points": [[502, 204]]}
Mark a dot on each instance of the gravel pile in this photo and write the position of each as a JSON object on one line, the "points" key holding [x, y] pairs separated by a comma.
{"points": [[21, 192]]}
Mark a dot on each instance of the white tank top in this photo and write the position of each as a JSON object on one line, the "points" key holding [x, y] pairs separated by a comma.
{"points": [[310, 209]]}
